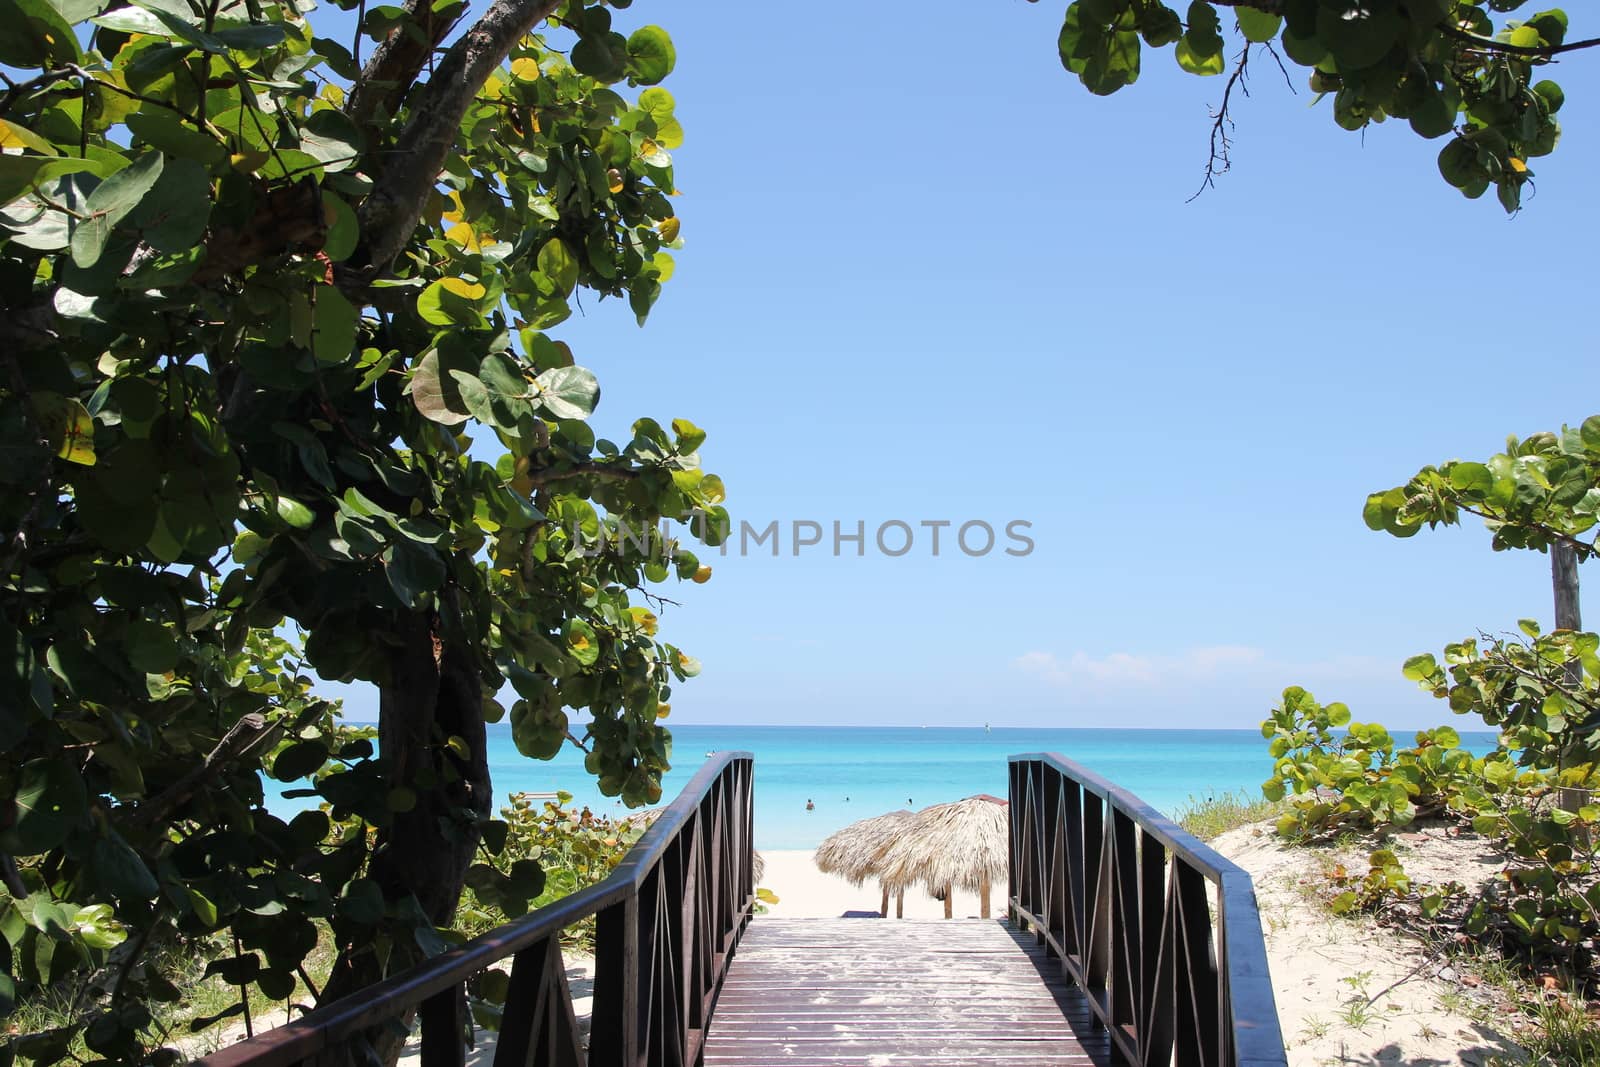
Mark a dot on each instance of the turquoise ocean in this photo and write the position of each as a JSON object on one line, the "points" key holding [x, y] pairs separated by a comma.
{"points": [[853, 773]]}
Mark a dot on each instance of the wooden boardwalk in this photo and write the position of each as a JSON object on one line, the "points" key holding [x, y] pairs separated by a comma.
{"points": [[888, 992]]}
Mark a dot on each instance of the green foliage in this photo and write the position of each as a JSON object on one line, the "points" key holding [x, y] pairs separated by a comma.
{"points": [[1360, 782], [537, 853], [1541, 692], [258, 297], [1447, 67], [1540, 491], [1355, 779], [1385, 876]]}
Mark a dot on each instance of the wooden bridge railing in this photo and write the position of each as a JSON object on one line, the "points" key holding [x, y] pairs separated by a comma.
{"points": [[667, 920], [1160, 931]]}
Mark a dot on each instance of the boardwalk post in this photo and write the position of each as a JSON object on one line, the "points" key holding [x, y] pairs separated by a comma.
{"points": [[663, 937], [1166, 973]]}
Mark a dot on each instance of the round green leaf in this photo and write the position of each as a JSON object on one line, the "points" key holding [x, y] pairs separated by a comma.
{"points": [[650, 55], [333, 337], [603, 57], [568, 392], [150, 647], [451, 302], [1196, 62], [299, 760], [1258, 26], [50, 800], [556, 263], [121, 871], [582, 644], [343, 229]]}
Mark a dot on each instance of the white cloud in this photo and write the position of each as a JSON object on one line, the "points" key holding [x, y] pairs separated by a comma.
{"points": [[1121, 669], [1199, 666]]}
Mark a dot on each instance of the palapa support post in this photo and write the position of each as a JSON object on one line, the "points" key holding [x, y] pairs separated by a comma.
{"points": [[983, 889], [883, 909], [949, 909], [900, 904]]}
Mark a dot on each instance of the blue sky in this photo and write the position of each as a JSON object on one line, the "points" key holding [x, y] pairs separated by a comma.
{"points": [[927, 276]]}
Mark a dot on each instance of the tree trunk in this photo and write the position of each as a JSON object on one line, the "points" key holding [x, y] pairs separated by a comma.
{"points": [[1564, 579], [434, 694]]}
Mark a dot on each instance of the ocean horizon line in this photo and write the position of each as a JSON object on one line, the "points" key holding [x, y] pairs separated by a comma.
{"points": [[1256, 730]]}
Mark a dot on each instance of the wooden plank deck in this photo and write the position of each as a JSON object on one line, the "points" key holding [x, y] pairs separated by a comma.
{"points": [[893, 992]]}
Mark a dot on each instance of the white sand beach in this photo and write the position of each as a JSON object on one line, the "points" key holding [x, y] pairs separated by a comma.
{"points": [[1350, 990], [806, 893]]}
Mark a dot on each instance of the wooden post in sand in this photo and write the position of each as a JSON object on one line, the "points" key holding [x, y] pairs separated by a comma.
{"points": [[949, 911], [983, 912], [900, 904], [883, 909]]}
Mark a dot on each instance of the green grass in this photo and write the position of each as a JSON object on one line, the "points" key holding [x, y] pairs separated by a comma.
{"points": [[1217, 815], [1557, 1029]]}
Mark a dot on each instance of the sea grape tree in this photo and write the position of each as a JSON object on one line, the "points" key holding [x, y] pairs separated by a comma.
{"points": [[1468, 72], [280, 286], [1543, 491]]}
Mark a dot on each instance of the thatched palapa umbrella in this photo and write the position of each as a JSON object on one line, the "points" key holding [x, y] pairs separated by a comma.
{"points": [[856, 852], [961, 844]]}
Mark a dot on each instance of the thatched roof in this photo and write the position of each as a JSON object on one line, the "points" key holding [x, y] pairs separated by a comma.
{"points": [[961, 844], [855, 852]]}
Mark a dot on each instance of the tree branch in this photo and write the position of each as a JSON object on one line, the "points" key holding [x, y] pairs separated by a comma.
{"points": [[1218, 161], [247, 736], [395, 63], [1451, 30], [581, 470], [390, 213], [1456, 33], [1583, 550]]}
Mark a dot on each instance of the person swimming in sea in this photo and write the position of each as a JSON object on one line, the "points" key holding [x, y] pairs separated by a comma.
{"points": [[810, 806]]}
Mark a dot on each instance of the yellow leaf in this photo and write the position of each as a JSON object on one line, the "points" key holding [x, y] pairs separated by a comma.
{"points": [[456, 212], [521, 479], [525, 70], [14, 136], [702, 576], [668, 228], [645, 618], [67, 425], [249, 161], [464, 289], [1518, 165], [614, 180], [663, 710], [462, 234]]}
